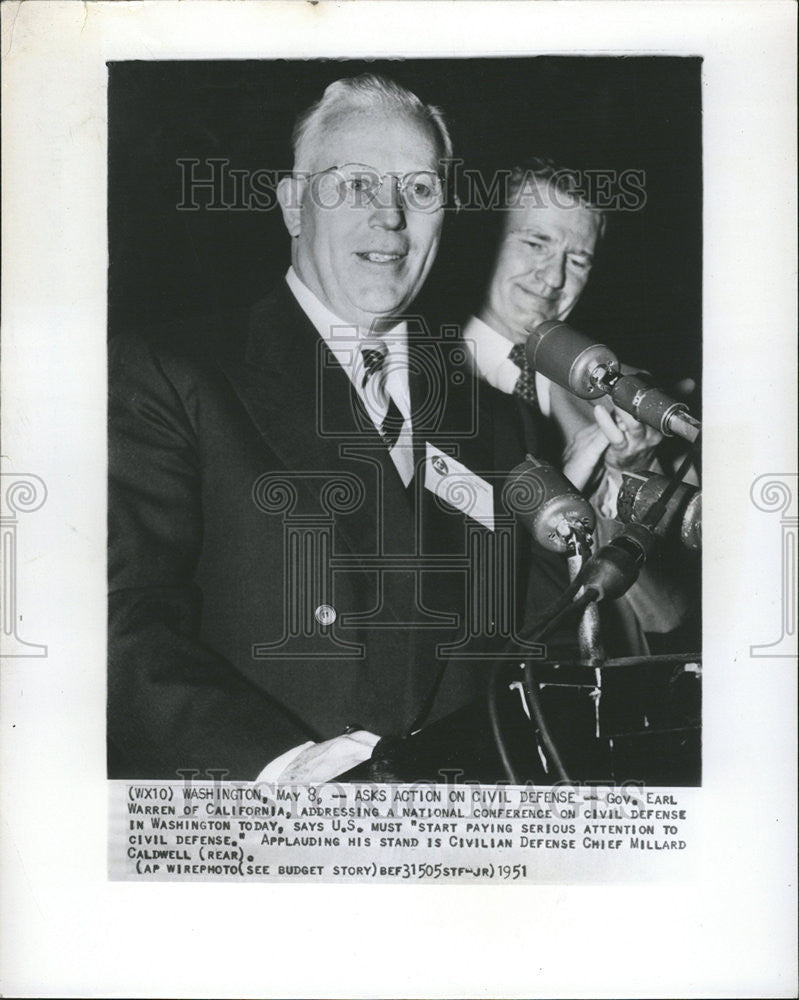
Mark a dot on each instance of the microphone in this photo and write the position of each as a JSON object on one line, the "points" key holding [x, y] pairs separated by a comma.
{"points": [[614, 568], [547, 504], [641, 490], [552, 510], [589, 370]]}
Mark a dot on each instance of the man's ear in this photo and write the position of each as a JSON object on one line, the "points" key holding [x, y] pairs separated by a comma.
{"points": [[290, 191]]}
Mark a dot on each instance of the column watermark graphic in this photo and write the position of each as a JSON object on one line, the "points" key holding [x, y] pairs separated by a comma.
{"points": [[20, 493], [777, 493]]}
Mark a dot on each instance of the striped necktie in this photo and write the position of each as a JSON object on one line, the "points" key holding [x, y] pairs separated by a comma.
{"points": [[525, 383], [375, 378]]}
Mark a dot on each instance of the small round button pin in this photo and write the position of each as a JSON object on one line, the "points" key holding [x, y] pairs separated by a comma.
{"points": [[440, 465], [325, 614]]}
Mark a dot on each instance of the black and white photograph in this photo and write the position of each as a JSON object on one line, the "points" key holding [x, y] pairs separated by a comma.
{"points": [[359, 462], [398, 508]]}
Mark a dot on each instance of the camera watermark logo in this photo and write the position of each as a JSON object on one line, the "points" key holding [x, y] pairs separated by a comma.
{"points": [[777, 493], [22, 493]]}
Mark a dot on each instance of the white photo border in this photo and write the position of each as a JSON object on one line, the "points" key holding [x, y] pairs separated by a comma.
{"points": [[67, 930]]}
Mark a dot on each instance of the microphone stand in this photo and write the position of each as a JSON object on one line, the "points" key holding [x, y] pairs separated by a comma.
{"points": [[561, 520], [589, 636]]}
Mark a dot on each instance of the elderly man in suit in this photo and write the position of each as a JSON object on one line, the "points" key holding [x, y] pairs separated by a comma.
{"points": [[289, 529]]}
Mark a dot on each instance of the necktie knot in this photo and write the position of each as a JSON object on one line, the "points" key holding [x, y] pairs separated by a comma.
{"points": [[525, 383], [373, 358], [391, 420], [518, 357]]}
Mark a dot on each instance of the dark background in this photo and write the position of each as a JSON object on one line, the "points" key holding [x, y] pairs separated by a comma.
{"points": [[188, 277]]}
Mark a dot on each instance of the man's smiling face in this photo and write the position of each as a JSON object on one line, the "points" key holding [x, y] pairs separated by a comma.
{"points": [[544, 259], [367, 261]]}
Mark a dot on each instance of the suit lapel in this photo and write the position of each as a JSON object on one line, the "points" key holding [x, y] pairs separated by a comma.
{"points": [[303, 404]]}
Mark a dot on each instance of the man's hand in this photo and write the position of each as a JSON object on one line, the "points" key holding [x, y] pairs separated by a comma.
{"points": [[324, 761], [615, 437], [583, 454], [599, 434], [632, 444]]}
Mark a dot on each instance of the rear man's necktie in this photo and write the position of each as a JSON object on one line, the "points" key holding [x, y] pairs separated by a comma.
{"points": [[525, 383]]}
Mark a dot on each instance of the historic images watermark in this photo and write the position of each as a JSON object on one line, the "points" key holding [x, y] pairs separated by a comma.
{"points": [[20, 493], [777, 493], [212, 184]]}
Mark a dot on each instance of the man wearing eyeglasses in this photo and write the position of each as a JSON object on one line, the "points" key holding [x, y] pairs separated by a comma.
{"points": [[288, 529]]}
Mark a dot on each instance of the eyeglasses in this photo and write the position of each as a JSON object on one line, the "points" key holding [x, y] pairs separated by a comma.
{"points": [[358, 185]]}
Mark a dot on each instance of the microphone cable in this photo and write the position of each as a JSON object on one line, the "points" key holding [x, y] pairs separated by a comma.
{"points": [[554, 614], [542, 628], [562, 607], [553, 617], [658, 508]]}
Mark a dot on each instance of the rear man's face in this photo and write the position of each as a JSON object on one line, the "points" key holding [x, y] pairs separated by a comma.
{"points": [[544, 260], [367, 261]]}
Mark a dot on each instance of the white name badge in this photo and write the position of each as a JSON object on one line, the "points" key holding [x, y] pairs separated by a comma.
{"points": [[458, 486]]}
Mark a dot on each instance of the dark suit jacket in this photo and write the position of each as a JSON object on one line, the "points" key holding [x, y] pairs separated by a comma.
{"points": [[247, 499]]}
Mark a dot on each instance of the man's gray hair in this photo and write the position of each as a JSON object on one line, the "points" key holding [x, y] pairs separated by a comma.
{"points": [[367, 92], [563, 179]]}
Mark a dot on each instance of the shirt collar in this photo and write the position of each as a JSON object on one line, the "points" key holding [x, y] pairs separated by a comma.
{"points": [[490, 351], [344, 339], [489, 348]]}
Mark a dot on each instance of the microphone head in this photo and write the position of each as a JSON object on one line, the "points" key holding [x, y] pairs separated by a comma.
{"points": [[537, 334], [568, 357], [547, 504]]}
